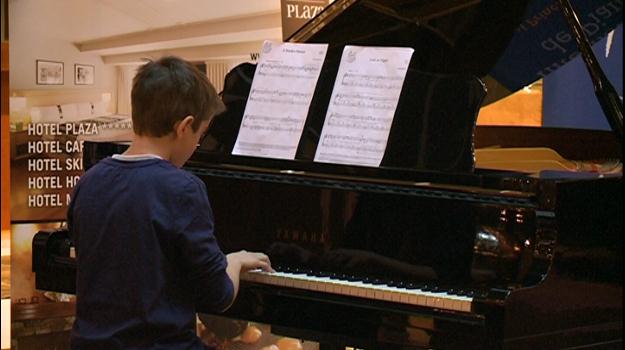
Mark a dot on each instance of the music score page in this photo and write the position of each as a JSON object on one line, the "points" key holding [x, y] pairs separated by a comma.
{"points": [[365, 95], [280, 96]]}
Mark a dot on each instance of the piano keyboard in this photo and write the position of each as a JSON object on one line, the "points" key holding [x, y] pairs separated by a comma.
{"points": [[375, 290]]}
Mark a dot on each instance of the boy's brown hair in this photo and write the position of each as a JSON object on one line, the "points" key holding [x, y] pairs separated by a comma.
{"points": [[167, 90]]}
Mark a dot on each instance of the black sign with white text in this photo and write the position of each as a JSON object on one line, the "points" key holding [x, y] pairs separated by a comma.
{"points": [[295, 13]]}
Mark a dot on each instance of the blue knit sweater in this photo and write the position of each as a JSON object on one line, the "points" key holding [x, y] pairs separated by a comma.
{"points": [[146, 255]]}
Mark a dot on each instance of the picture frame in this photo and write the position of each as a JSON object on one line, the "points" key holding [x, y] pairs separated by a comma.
{"points": [[84, 74], [49, 72]]}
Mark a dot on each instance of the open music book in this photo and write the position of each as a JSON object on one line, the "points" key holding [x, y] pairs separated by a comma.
{"points": [[360, 113]]}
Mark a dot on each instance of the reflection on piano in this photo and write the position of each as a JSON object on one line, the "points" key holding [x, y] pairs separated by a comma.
{"points": [[426, 251]]}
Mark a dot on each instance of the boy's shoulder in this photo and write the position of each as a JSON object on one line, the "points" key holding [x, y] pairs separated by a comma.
{"points": [[151, 171]]}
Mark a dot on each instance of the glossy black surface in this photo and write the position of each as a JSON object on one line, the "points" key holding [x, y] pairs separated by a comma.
{"points": [[450, 36], [425, 218], [387, 236], [432, 128], [513, 251], [539, 253]]}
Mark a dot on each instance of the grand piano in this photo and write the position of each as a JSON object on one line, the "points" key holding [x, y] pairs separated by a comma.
{"points": [[428, 250]]}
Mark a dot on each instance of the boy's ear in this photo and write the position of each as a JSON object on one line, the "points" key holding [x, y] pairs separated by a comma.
{"points": [[184, 125]]}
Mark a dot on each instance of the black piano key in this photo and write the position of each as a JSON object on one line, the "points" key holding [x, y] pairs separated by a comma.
{"points": [[298, 271], [335, 276], [412, 286], [352, 278], [421, 285], [346, 277], [439, 289], [321, 274], [394, 283]]}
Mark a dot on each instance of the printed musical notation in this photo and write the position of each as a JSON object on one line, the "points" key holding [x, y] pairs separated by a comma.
{"points": [[277, 107], [279, 97], [372, 81], [362, 106], [286, 71], [363, 101], [273, 124], [355, 143], [363, 122]]}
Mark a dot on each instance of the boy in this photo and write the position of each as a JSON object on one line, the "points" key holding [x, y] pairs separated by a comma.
{"points": [[143, 228]]}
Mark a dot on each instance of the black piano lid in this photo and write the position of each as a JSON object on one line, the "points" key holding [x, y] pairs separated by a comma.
{"points": [[509, 44], [457, 39], [454, 42], [514, 42], [449, 36]]}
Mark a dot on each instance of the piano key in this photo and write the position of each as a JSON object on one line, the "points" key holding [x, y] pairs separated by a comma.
{"points": [[427, 295]]}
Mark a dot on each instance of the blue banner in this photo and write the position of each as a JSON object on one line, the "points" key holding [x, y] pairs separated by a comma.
{"points": [[543, 41]]}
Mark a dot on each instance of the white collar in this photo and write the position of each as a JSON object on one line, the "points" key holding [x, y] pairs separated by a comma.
{"points": [[135, 157]]}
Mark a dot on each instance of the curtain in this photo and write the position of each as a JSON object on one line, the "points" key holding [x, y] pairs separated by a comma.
{"points": [[216, 73], [125, 74]]}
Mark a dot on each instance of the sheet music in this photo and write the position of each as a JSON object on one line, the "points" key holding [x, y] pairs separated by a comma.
{"points": [[277, 106], [362, 106]]}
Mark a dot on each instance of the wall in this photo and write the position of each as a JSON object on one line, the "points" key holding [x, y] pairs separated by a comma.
{"points": [[33, 37], [569, 99]]}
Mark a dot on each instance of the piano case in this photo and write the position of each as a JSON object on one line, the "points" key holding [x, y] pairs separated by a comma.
{"points": [[425, 251]]}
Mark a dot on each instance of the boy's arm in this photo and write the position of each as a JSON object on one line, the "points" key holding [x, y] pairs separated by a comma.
{"points": [[214, 276]]}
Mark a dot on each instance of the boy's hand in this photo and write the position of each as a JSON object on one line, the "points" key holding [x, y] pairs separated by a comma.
{"points": [[250, 261], [244, 261]]}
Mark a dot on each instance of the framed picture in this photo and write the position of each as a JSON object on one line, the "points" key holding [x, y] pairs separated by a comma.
{"points": [[84, 74], [49, 72]]}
